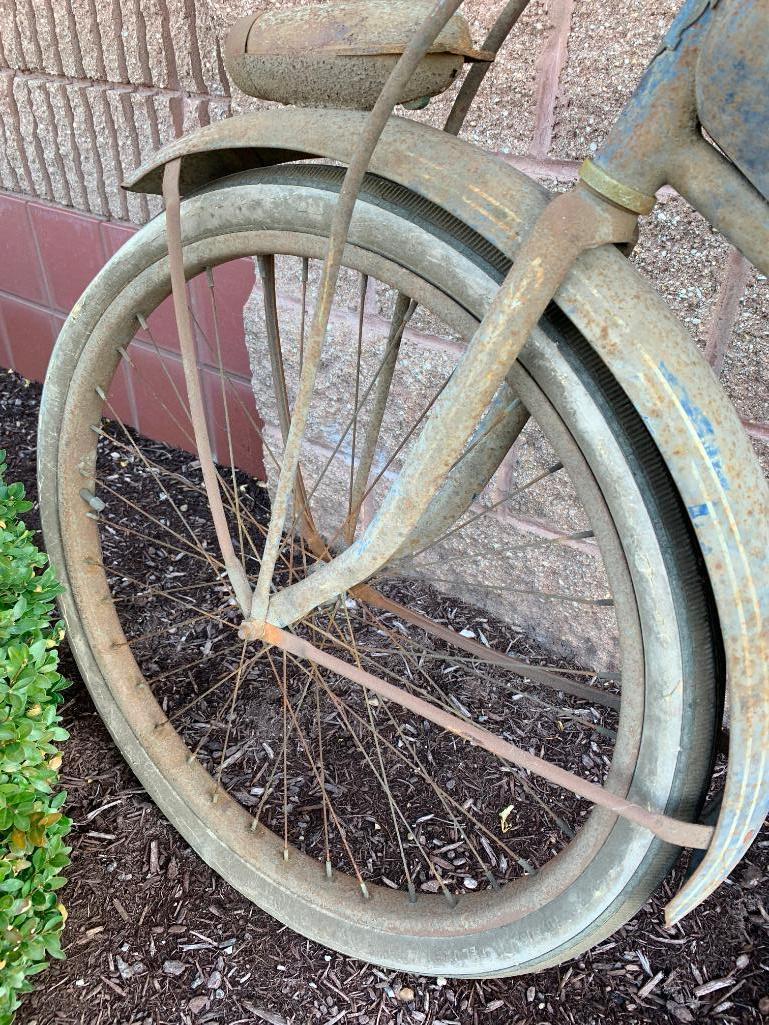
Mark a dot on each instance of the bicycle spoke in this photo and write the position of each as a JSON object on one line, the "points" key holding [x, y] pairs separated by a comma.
{"points": [[441, 700], [159, 592], [513, 493], [225, 405], [170, 673], [187, 550], [236, 672], [527, 546], [339, 827], [147, 465], [411, 760], [398, 449], [359, 475], [230, 716], [545, 595], [254, 427], [382, 771], [255, 821], [356, 391], [146, 382], [322, 775], [162, 631], [549, 676], [348, 426]]}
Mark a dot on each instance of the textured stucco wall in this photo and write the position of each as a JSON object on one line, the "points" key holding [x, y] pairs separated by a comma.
{"points": [[89, 88]]}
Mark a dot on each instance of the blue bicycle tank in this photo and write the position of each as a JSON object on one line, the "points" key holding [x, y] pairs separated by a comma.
{"points": [[732, 85]]}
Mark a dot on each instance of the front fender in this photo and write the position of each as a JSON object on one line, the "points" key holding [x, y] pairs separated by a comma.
{"points": [[649, 352]]}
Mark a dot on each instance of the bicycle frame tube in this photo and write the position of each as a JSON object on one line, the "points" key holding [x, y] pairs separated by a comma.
{"points": [[658, 139]]}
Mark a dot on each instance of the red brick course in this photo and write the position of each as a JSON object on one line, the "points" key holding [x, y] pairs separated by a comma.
{"points": [[49, 255]]}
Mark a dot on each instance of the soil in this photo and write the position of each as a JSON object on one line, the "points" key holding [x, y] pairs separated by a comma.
{"points": [[155, 936]]}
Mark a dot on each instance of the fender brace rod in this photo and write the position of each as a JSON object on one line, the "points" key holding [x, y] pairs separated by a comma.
{"points": [[233, 565], [683, 834]]}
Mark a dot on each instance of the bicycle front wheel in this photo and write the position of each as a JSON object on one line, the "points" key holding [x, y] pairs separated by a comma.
{"points": [[562, 604]]}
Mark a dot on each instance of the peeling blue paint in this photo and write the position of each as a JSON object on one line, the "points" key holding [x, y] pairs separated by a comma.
{"points": [[702, 425], [696, 511]]}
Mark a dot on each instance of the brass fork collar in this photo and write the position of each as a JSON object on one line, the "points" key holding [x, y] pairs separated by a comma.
{"points": [[623, 195]]}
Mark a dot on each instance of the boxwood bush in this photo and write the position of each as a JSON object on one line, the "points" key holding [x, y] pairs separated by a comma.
{"points": [[32, 826]]}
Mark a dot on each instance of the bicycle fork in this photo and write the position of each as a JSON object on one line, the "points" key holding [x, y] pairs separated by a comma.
{"points": [[425, 492], [475, 409]]}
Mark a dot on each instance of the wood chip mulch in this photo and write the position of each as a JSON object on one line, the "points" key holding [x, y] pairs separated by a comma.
{"points": [[154, 936]]}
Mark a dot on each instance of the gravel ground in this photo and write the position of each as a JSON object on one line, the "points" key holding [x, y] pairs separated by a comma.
{"points": [[154, 936]]}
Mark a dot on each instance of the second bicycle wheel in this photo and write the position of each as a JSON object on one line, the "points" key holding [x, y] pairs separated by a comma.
{"points": [[562, 605]]}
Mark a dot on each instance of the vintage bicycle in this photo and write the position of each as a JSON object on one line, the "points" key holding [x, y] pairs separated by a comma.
{"points": [[509, 547]]}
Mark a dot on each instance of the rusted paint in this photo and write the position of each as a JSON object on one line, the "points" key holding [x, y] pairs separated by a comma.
{"points": [[235, 571], [731, 82], [340, 54], [674, 831]]}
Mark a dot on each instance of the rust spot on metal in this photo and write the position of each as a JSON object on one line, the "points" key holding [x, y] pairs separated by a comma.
{"points": [[341, 54]]}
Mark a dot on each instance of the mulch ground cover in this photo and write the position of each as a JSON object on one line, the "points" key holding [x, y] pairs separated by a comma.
{"points": [[155, 936]]}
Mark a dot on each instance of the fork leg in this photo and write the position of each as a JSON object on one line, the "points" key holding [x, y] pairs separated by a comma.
{"points": [[503, 422], [407, 63], [572, 223]]}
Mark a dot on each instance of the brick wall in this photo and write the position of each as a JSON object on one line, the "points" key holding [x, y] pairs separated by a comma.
{"points": [[89, 88]]}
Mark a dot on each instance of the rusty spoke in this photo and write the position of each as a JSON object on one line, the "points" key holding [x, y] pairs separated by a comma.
{"points": [[230, 717], [162, 631], [236, 672], [341, 709], [353, 418], [545, 595], [395, 811], [300, 733], [337, 641], [275, 762], [359, 475], [188, 551], [356, 391], [185, 428], [544, 675], [117, 572], [148, 467], [226, 406], [541, 543], [398, 449], [411, 759], [170, 673], [671, 830], [512, 493]]}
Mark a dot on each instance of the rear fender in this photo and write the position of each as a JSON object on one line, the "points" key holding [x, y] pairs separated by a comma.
{"points": [[646, 348]]}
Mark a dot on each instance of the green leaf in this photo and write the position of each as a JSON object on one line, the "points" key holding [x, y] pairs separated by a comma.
{"points": [[32, 852]]}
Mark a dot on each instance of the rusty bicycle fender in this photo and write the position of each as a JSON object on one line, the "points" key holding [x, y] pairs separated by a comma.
{"points": [[648, 351]]}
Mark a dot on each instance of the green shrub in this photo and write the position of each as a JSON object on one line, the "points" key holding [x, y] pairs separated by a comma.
{"points": [[32, 827]]}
